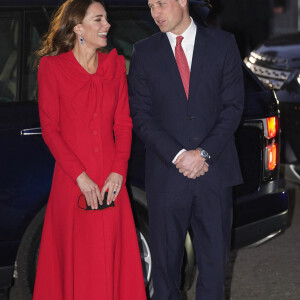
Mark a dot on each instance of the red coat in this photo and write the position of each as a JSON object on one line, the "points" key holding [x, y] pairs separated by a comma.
{"points": [[86, 124]]}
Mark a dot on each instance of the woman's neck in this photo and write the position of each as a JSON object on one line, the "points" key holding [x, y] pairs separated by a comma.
{"points": [[87, 58]]}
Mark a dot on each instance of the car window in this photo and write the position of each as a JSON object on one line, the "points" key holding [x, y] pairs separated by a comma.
{"points": [[9, 36], [127, 27], [36, 24]]}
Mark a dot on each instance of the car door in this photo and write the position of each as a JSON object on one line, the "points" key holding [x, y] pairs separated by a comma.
{"points": [[26, 163]]}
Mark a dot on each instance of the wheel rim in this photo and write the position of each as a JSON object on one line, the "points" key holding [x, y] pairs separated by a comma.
{"points": [[145, 257]]}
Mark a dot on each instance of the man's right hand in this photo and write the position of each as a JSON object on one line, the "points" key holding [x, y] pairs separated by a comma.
{"points": [[90, 190], [191, 164]]}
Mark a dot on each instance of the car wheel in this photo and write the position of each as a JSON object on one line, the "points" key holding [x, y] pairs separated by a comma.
{"points": [[143, 240], [27, 256], [140, 214]]}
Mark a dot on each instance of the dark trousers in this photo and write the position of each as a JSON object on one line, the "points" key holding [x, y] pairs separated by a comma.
{"points": [[207, 211]]}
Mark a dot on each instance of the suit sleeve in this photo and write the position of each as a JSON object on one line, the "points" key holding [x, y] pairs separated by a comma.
{"points": [[122, 129], [154, 137], [48, 99], [232, 103]]}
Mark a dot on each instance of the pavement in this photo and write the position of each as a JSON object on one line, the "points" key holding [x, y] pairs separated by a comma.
{"points": [[270, 271]]}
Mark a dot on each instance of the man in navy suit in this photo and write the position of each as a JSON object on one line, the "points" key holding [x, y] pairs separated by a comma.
{"points": [[186, 98]]}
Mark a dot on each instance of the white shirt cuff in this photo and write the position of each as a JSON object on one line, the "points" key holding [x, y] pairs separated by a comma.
{"points": [[181, 151]]}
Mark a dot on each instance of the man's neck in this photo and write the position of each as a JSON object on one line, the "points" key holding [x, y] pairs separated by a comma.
{"points": [[184, 26]]}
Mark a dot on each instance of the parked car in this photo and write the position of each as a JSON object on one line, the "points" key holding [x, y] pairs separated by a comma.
{"points": [[260, 204], [277, 64]]}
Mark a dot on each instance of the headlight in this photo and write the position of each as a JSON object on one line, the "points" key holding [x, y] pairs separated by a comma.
{"points": [[252, 59], [298, 78]]}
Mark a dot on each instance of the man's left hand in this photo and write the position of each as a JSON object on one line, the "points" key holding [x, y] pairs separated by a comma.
{"points": [[191, 164]]}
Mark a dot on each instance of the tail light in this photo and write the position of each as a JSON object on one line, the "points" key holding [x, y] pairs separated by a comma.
{"points": [[271, 132], [272, 127], [271, 157]]}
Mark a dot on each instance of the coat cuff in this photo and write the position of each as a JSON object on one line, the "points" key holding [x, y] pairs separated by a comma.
{"points": [[76, 171], [120, 168]]}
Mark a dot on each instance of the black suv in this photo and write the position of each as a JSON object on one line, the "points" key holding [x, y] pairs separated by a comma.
{"points": [[277, 64], [260, 204]]}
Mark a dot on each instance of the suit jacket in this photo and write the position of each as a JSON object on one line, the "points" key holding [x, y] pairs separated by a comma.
{"points": [[166, 122]]}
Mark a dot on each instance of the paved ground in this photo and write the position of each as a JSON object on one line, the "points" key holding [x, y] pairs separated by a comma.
{"points": [[270, 271]]}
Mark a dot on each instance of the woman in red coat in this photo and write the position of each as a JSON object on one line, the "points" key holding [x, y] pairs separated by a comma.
{"points": [[84, 113]]}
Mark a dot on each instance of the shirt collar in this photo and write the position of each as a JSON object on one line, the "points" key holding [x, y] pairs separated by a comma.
{"points": [[189, 35]]}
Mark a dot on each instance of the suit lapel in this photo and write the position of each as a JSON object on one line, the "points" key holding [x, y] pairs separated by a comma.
{"points": [[170, 65], [199, 58], [169, 62]]}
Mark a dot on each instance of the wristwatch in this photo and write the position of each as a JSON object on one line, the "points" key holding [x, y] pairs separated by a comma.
{"points": [[205, 155]]}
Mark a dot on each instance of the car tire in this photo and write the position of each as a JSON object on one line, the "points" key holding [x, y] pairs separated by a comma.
{"points": [[27, 256]]}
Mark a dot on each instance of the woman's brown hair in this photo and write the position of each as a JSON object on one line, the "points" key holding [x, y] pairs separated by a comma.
{"points": [[60, 36]]}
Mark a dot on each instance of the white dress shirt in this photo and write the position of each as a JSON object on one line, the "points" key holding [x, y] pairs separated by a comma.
{"points": [[187, 44]]}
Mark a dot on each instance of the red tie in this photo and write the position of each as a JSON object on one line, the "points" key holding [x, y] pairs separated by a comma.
{"points": [[182, 64]]}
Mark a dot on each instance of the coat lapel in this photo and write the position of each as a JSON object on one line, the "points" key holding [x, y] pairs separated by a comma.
{"points": [[199, 58], [170, 65]]}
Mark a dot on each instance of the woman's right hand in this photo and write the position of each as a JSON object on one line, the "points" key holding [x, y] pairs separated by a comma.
{"points": [[90, 190]]}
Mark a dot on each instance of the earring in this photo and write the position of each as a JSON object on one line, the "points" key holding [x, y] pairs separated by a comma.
{"points": [[81, 40]]}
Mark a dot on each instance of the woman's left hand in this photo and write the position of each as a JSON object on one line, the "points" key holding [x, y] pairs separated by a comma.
{"points": [[113, 184]]}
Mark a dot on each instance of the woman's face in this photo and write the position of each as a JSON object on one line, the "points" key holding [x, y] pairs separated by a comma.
{"points": [[94, 26]]}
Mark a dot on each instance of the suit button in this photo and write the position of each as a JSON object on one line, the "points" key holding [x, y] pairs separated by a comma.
{"points": [[96, 149], [194, 139], [191, 117], [95, 132]]}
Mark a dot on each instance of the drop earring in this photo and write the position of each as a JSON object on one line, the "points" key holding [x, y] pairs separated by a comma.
{"points": [[81, 39]]}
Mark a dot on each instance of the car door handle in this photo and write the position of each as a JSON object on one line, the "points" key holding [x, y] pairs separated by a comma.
{"points": [[31, 131]]}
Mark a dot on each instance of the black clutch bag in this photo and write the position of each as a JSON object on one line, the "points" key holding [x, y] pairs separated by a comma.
{"points": [[82, 204]]}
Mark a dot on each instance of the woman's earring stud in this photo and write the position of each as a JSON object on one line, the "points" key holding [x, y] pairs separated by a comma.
{"points": [[81, 40]]}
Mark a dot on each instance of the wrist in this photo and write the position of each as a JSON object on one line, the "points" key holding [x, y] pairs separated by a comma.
{"points": [[80, 176], [204, 154]]}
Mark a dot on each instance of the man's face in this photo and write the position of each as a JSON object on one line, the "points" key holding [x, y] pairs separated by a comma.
{"points": [[169, 15]]}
